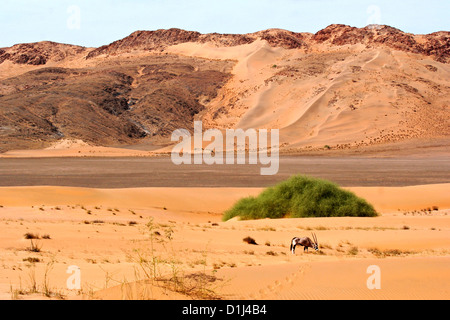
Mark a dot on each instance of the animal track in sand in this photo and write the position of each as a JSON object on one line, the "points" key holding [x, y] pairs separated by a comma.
{"points": [[286, 283]]}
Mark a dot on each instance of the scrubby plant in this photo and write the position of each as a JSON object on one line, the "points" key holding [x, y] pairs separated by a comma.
{"points": [[301, 197], [250, 240], [29, 236]]}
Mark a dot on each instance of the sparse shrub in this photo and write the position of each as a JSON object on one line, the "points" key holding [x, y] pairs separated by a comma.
{"points": [[388, 252], [29, 236], [353, 251], [94, 222], [267, 229], [249, 240], [35, 246], [46, 236], [119, 224], [375, 251], [150, 265], [301, 197]]}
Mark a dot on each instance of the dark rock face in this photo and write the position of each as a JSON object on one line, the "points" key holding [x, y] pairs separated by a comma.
{"points": [[283, 38], [147, 40], [161, 39], [121, 100], [436, 44], [38, 53], [107, 105]]}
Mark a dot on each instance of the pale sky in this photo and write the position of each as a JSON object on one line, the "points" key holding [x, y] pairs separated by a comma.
{"points": [[94, 23]]}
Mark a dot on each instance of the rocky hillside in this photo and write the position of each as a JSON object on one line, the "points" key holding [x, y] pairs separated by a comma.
{"points": [[343, 87], [436, 44], [39, 53]]}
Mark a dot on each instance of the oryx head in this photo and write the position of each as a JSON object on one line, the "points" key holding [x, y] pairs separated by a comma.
{"points": [[316, 243]]}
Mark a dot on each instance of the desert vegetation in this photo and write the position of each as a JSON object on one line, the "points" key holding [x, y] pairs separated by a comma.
{"points": [[301, 197]]}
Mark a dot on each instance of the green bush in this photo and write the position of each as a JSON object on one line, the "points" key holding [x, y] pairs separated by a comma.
{"points": [[301, 197]]}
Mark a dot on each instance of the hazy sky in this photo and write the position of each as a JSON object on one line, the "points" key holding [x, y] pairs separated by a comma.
{"points": [[99, 22]]}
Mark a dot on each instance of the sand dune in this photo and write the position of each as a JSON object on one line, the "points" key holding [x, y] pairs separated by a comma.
{"points": [[212, 200], [317, 99], [101, 231]]}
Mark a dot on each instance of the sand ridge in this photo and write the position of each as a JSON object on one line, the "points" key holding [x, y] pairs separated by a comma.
{"points": [[101, 231]]}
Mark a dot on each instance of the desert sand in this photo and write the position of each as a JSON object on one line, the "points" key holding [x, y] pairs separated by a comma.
{"points": [[104, 231]]}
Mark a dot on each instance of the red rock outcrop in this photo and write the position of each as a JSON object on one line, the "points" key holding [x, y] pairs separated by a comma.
{"points": [[38, 53], [436, 44]]}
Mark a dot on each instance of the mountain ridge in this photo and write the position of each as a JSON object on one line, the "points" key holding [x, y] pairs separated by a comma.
{"points": [[436, 44], [343, 87]]}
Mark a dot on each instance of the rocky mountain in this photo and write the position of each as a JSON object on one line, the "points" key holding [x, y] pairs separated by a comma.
{"points": [[343, 87], [436, 45]]}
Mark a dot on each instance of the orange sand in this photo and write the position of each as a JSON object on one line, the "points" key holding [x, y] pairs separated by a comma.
{"points": [[91, 228]]}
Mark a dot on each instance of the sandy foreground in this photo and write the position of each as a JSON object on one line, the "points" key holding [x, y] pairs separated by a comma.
{"points": [[196, 255]]}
